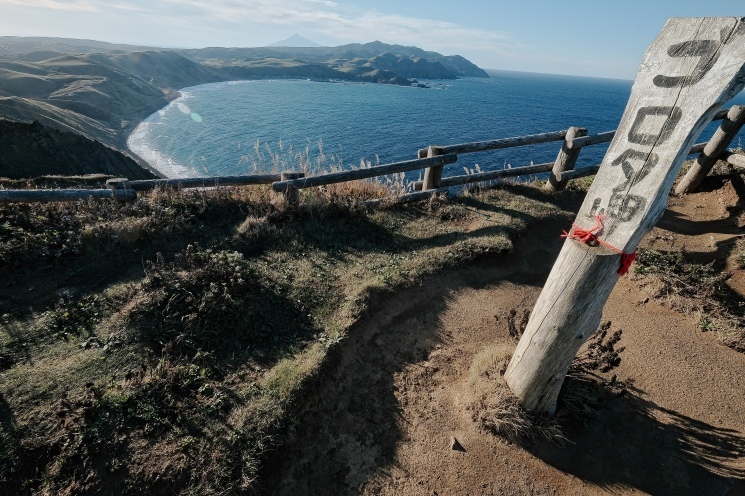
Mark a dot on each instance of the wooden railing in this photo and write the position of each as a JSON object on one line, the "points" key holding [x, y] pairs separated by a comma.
{"points": [[433, 160]]}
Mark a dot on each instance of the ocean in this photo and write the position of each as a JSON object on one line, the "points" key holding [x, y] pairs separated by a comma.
{"points": [[247, 127]]}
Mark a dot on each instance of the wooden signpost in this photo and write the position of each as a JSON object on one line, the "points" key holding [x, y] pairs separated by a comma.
{"points": [[693, 67]]}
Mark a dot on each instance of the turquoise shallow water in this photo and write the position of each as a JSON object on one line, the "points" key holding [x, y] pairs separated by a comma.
{"points": [[259, 126]]}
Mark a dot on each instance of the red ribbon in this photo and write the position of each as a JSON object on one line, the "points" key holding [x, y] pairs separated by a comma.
{"points": [[591, 235]]}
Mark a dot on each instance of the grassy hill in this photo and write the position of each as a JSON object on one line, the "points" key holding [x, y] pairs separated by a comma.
{"points": [[34, 150], [163, 346], [26, 46], [101, 96], [166, 346], [405, 62]]}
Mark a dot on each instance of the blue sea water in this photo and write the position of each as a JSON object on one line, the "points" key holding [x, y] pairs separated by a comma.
{"points": [[261, 126]]}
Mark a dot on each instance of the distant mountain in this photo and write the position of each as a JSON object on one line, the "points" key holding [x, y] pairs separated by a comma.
{"points": [[413, 62], [458, 65], [295, 41], [12, 46]]}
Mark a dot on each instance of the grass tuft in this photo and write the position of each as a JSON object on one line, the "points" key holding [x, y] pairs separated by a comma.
{"points": [[585, 391], [497, 409]]}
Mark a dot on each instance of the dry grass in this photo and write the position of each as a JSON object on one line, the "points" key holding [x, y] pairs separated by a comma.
{"points": [[585, 391], [497, 409], [172, 345], [315, 160], [697, 289]]}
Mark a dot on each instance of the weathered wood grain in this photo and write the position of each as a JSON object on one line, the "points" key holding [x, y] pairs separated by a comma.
{"points": [[292, 194], [697, 148], [118, 183], [594, 139], [695, 66], [735, 159], [566, 159], [481, 146], [433, 174], [717, 145], [607, 136], [204, 182], [577, 173], [721, 114]]}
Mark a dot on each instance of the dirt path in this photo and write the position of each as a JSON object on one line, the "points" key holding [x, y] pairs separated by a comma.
{"points": [[384, 418]]}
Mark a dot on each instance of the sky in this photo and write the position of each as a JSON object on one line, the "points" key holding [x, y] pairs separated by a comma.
{"points": [[602, 38]]}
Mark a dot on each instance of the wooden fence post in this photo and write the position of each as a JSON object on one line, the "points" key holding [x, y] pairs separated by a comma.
{"points": [[566, 160], [120, 183], [734, 159], [717, 145], [691, 69], [292, 194], [432, 175]]}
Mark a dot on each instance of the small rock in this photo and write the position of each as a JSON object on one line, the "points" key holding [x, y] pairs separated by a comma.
{"points": [[456, 446]]}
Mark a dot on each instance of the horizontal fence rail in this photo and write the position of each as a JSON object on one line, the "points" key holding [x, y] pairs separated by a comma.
{"points": [[722, 114], [483, 146], [577, 173], [734, 159], [697, 148], [405, 198], [353, 175], [204, 182], [432, 159], [63, 195], [497, 174], [595, 139]]}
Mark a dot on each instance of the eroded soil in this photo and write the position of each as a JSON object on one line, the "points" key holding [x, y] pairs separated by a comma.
{"points": [[384, 417]]}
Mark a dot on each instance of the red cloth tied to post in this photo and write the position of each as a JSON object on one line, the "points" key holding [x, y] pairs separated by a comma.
{"points": [[591, 235]]}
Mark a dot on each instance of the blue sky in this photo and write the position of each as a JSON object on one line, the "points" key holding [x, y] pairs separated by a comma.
{"points": [[601, 38]]}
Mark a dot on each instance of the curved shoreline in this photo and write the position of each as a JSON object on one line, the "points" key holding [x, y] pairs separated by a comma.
{"points": [[132, 127], [173, 97], [140, 158]]}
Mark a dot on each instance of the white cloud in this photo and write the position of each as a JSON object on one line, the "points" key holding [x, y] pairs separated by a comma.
{"points": [[333, 21], [321, 18], [194, 23], [327, 3], [70, 5], [424, 32]]}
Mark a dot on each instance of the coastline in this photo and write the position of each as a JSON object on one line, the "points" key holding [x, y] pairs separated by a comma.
{"points": [[173, 95], [123, 144], [104, 93]]}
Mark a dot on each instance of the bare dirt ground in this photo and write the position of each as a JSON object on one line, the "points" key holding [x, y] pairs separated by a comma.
{"points": [[383, 419]]}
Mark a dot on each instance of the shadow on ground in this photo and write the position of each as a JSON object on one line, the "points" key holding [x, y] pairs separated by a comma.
{"points": [[350, 426], [635, 443], [353, 422]]}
